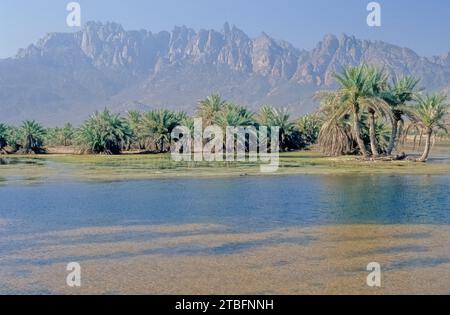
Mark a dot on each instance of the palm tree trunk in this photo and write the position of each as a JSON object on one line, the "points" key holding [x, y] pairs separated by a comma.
{"points": [[427, 149], [393, 140], [372, 133], [357, 131], [28, 144]]}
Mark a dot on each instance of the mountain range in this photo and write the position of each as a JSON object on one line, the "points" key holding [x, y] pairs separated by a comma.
{"points": [[66, 76]]}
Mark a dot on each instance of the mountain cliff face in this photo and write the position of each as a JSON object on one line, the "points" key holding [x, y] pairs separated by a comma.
{"points": [[64, 77]]}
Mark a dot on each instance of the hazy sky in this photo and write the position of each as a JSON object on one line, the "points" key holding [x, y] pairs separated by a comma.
{"points": [[421, 25]]}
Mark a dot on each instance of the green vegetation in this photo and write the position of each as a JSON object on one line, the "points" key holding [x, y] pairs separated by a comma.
{"points": [[45, 168], [209, 108], [397, 96], [27, 139], [32, 137], [309, 128], [428, 117], [157, 125], [3, 137], [64, 136], [104, 132], [366, 115], [357, 92], [280, 118]]}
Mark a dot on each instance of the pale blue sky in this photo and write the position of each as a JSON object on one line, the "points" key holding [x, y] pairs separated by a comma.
{"points": [[421, 25]]}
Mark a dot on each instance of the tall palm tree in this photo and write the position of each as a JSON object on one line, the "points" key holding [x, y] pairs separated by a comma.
{"points": [[67, 134], [375, 104], [209, 108], [400, 92], [275, 117], [134, 120], [353, 90], [232, 115], [158, 125], [105, 133], [292, 135], [358, 90], [32, 136], [335, 135], [428, 114]]}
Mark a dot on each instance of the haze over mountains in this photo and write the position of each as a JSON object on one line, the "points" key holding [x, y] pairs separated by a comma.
{"points": [[67, 76]]}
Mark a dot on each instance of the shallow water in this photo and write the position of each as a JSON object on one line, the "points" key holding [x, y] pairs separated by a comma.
{"points": [[187, 226], [241, 203]]}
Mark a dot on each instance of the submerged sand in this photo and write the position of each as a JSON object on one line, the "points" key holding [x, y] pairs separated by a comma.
{"points": [[211, 259]]}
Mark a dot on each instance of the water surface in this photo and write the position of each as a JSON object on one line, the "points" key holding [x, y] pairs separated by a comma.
{"points": [[324, 228]]}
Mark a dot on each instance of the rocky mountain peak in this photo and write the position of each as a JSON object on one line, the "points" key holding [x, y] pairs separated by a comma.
{"points": [[104, 63]]}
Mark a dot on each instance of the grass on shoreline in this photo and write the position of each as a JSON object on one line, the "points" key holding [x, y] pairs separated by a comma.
{"points": [[43, 168]]}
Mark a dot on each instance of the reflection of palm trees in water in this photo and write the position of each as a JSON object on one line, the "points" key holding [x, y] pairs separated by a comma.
{"points": [[378, 199]]}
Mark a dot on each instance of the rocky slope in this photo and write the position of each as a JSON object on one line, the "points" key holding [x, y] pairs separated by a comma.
{"points": [[66, 76]]}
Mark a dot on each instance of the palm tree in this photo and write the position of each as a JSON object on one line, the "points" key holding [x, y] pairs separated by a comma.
{"points": [[274, 117], [359, 88], [60, 136], [32, 136], [428, 114], [375, 104], [309, 126], [398, 94], [354, 89], [281, 119], [209, 108], [105, 133], [234, 115], [134, 120], [382, 134], [3, 137], [67, 134], [13, 138], [265, 114], [335, 136], [52, 136], [158, 125]]}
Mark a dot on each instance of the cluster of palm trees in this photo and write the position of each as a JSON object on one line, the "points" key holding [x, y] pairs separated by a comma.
{"points": [[111, 133], [367, 113], [28, 138], [151, 130], [60, 136], [294, 134]]}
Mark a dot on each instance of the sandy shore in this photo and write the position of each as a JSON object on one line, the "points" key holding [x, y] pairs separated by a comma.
{"points": [[208, 259]]}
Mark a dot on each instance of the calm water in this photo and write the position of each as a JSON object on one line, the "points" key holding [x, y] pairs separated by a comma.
{"points": [[239, 203], [251, 214]]}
